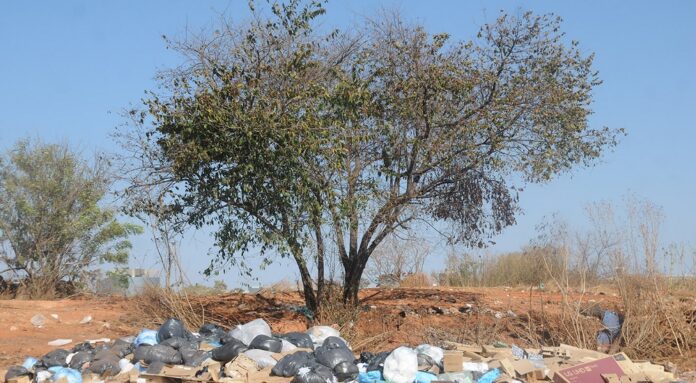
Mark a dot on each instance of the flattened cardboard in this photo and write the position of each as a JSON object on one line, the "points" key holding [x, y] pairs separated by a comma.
{"points": [[240, 367], [590, 372], [453, 361]]}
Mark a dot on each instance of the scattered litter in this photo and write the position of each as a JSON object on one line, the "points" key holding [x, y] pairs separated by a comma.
{"points": [[251, 353], [59, 342], [38, 320], [13, 328], [55, 317], [86, 319]]}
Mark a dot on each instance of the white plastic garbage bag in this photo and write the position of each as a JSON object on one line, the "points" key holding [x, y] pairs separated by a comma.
{"points": [[287, 346], [248, 331], [401, 366], [436, 353], [262, 357], [319, 333]]}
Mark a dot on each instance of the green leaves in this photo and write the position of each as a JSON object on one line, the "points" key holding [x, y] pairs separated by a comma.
{"points": [[52, 219], [277, 133]]}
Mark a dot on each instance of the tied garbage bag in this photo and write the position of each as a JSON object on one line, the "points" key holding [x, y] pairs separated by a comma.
{"points": [[334, 342], [490, 376], [85, 346], [331, 357], [70, 375], [287, 346], [194, 358], [80, 359], [105, 362], [315, 373], [370, 377], [17, 371], [345, 371], [426, 363], [377, 361], [121, 348], [266, 343], [212, 333], [299, 339], [146, 337], [457, 377], [320, 333], [290, 364], [55, 358], [228, 351], [436, 353], [158, 353], [401, 366], [262, 358], [180, 343], [247, 332], [125, 365], [171, 328], [424, 377]]}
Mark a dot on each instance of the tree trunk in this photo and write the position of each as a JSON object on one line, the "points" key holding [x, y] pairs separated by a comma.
{"points": [[307, 288]]}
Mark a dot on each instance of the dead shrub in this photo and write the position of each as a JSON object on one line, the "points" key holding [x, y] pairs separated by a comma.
{"points": [[333, 312], [416, 280], [156, 304]]}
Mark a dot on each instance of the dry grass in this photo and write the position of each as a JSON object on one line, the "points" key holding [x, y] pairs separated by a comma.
{"points": [[156, 304]]}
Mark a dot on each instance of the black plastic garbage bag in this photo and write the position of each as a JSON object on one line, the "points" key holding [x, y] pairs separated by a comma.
{"points": [[299, 339], [122, 348], [85, 346], [289, 364], [377, 362], [267, 343], [228, 351], [194, 358], [331, 357], [180, 343], [346, 371], [106, 366], [334, 342], [365, 357], [209, 329], [80, 358], [55, 358], [16, 371], [155, 368], [314, 373], [158, 353], [171, 328]]}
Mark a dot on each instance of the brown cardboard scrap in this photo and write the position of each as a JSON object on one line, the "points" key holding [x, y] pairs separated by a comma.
{"points": [[453, 361], [19, 379], [523, 367], [240, 367]]}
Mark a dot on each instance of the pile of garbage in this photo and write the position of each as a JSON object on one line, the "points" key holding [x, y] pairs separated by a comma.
{"points": [[252, 353]]}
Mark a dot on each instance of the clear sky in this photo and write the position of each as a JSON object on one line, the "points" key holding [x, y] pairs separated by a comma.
{"points": [[68, 67]]}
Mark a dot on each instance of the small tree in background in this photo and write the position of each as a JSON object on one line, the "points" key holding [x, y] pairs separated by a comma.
{"points": [[53, 225]]}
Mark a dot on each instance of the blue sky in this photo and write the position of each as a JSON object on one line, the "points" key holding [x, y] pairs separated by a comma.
{"points": [[67, 68]]}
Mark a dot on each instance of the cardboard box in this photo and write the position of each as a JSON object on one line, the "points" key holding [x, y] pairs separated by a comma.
{"points": [[590, 372]]}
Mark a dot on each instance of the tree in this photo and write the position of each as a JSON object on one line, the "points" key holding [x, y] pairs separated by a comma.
{"points": [[284, 138], [53, 225]]}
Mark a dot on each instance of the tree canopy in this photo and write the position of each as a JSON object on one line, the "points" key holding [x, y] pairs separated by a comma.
{"points": [[299, 143], [53, 225]]}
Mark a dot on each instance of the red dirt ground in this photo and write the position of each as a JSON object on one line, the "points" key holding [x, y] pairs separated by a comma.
{"points": [[388, 318]]}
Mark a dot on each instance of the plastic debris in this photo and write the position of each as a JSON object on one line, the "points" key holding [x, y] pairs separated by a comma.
{"points": [[267, 343], [262, 358], [29, 363], [248, 331], [55, 317], [70, 375], [490, 376], [172, 328], [401, 366], [146, 337], [320, 333], [38, 320], [299, 339], [59, 342], [86, 319]]}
